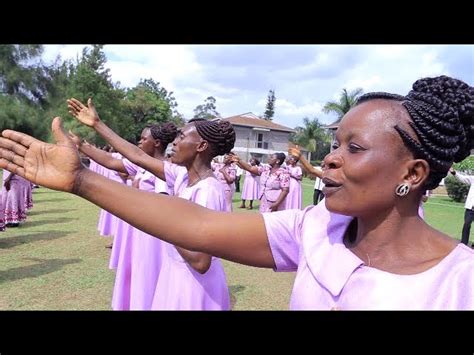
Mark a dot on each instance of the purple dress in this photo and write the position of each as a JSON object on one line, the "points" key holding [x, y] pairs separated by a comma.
{"points": [[250, 188], [271, 185], [293, 199], [138, 270], [228, 188], [179, 286], [13, 200], [2, 219], [108, 222], [330, 276]]}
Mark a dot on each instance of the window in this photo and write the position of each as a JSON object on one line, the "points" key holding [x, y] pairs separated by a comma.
{"points": [[260, 141]]}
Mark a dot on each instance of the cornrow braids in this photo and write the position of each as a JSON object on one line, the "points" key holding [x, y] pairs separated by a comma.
{"points": [[442, 114], [220, 135], [165, 133]]}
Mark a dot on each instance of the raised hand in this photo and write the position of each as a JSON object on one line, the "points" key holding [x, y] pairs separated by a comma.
{"points": [[75, 139], [56, 166], [84, 114], [295, 151]]}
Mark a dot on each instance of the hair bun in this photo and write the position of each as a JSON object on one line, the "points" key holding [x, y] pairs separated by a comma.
{"points": [[451, 100]]}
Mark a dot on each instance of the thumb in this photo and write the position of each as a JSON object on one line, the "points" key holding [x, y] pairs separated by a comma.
{"points": [[90, 104], [59, 134]]}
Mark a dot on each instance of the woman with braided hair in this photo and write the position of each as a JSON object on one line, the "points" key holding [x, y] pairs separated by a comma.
{"points": [[365, 248], [188, 279]]}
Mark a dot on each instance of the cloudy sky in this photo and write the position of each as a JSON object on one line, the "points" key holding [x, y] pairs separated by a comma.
{"points": [[304, 77]]}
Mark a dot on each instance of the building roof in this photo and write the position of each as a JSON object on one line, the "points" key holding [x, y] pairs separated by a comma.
{"points": [[333, 125], [250, 120]]}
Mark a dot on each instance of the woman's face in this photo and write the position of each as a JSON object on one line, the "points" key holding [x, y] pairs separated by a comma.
{"points": [[272, 160], [185, 146], [367, 162], [147, 143]]}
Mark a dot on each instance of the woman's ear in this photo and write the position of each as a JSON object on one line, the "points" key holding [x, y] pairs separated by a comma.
{"points": [[202, 146], [418, 171]]}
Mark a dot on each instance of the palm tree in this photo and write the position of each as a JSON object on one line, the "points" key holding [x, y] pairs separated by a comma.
{"points": [[346, 102], [313, 138]]}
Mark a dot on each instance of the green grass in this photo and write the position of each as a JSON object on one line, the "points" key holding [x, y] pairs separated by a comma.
{"points": [[57, 260]]}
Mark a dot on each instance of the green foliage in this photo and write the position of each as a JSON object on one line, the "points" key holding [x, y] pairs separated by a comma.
{"points": [[313, 138], [270, 107], [467, 165], [31, 95], [208, 110], [456, 189], [346, 102], [148, 103]]}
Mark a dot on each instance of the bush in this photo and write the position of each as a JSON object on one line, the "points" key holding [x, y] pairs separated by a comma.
{"points": [[456, 189]]}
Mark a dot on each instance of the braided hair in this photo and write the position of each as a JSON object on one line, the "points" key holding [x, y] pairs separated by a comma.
{"points": [[442, 114], [220, 135], [165, 133]]}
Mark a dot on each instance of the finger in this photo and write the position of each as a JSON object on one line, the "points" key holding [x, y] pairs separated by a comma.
{"points": [[59, 134], [12, 167], [18, 137], [76, 103], [90, 104], [12, 157], [73, 112], [10, 145]]}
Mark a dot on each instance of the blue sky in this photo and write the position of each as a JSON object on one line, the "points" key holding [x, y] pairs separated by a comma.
{"points": [[304, 77]]}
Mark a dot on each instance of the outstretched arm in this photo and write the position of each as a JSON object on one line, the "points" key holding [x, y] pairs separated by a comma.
{"points": [[306, 165], [239, 237], [244, 165], [89, 116], [98, 155]]}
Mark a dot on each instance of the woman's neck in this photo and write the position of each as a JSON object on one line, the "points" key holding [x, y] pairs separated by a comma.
{"points": [[398, 244], [198, 171]]}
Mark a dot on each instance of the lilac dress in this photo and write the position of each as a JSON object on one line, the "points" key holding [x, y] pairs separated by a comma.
{"points": [[138, 271], [179, 286], [330, 276], [271, 185], [293, 199], [13, 200], [2, 219], [228, 188], [250, 188], [122, 231]]}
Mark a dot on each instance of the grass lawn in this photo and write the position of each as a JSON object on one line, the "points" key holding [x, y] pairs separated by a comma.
{"points": [[57, 260]]}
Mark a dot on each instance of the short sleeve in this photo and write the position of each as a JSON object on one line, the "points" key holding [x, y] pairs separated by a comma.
{"points": [[284, 236], [172, 171], [132, 169]]}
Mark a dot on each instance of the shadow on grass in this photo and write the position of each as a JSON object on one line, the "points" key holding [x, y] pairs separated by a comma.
{"points": [[11, 242], [58, 211], [43, 267], [29, 224], [234, 290]]}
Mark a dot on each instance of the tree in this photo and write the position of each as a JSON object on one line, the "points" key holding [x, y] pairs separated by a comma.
{"points": [[23, 87], [84, 78], [346, 102], [312, 137], [148, 103], [208, 110], [270, 107]]}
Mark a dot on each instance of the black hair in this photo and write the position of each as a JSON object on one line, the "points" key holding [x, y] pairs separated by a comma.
{"points": [[165, 133], [281, 157], [442, 114], [220, 135]]}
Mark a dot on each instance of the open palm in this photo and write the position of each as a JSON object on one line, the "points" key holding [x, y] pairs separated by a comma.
{"points": [[55, 166], [84, 114]]}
